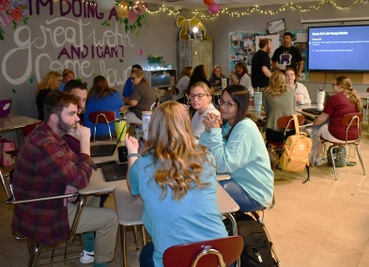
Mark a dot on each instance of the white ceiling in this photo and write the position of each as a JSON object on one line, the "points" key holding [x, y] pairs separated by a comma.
{"points": [[199, 4]]}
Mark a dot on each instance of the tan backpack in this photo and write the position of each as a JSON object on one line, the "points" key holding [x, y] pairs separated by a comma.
{"points": [[297, 149]]}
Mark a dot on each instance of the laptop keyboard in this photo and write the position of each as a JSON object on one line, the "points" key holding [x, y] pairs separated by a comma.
{"points": [[314, 111]]}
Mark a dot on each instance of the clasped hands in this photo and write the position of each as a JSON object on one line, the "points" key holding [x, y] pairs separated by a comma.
{"points": [[211, 121]]}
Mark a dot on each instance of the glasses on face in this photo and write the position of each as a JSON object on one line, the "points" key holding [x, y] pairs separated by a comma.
{"points": [[199, 96], [227, 105]]}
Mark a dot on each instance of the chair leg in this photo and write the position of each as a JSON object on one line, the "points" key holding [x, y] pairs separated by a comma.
{"points": [[308, 173], [123, 244], [34, 253], [330, 150], [361, 159]]}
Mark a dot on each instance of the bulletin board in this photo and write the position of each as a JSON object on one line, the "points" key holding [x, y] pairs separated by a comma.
{"points": [[243, 45]]}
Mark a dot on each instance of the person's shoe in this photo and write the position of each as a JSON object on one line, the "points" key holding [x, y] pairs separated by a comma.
{"points": [[87, 257], [318, 162]]}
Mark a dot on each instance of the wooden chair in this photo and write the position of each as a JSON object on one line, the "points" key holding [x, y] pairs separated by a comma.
{"points": [[212, 253], [102, 117], [275, 149], [34, 248], [350, 121]]}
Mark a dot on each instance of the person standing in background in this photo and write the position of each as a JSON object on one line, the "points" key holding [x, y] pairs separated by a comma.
{"points": [[287, 56], [241, 77], [260, 65], [68, 75], [128, 86]]}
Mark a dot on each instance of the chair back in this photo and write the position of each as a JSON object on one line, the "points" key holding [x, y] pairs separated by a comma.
{"points": [[102, 117], [352, 120], [287, 122], [216, 252]]}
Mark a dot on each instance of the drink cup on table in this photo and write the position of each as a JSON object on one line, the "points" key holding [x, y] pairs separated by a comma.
{"points": [[119, 126], [146, 116], [258, 98]]}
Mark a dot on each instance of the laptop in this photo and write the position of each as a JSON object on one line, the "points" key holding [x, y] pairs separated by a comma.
{"points": [[106, 150], [5, 107], [313, 111], [115, 172]]}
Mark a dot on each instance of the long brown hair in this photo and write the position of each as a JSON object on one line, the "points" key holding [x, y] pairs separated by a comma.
{"points": [[187, 71], [172, 145], [350, 92], [277, 84], [100, 88]]}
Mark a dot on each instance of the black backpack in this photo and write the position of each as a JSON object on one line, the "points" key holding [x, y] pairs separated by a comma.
{"points": [[257, 250]]}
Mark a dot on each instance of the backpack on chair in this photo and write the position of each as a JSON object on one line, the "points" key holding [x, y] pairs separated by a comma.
{"points": [[297, 149]]}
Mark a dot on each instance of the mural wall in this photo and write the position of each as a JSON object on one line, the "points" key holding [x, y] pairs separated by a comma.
{"points": [[38, 36]]}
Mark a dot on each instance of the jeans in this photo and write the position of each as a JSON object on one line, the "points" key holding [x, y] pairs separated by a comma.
{"points": [[146, 256]]}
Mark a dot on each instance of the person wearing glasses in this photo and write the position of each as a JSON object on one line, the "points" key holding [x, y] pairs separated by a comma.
{"points": [[239, 150], [142, 98], [200, 100]]}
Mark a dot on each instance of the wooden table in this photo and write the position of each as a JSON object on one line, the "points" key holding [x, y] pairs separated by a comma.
{"points": [[16, 123]]}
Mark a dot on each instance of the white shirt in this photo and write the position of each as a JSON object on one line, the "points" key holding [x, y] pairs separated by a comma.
{"points": [[197, 126], [246, 82], [300, 89]]}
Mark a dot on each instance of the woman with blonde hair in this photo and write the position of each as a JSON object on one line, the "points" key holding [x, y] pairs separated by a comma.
{"points": [[176, 180], [102, 97], [200, 99], [50, 82], [142, 98], [328, 124], [278, 101]]}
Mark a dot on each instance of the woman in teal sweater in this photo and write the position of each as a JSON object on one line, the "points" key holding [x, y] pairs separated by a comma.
{"points": [[239, 150]]}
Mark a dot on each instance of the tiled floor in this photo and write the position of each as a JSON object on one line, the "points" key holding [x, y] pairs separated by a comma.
{"points": [[323, 223]]}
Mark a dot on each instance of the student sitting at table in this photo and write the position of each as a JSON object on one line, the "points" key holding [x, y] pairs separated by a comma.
{"points": [[278, 101], [46, 166], [216, 76], [301, 93], [200, 74], [328, 125], [182, 84], [142, 99], [128, 86], [239, 150], [176, 180], [49, 83], [241, 76], [68, 75], [102, 97], [201, 102]]}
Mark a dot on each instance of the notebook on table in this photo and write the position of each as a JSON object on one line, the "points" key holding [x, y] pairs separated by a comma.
{"points": [[114, 171], [5, 107], [313, 111], [107, 149]]}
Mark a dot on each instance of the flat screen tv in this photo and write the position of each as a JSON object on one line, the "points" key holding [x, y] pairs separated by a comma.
{"points": [[338, 48]]}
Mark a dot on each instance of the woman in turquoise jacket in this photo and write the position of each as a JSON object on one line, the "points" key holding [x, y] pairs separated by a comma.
{"points": [[239, 150]]}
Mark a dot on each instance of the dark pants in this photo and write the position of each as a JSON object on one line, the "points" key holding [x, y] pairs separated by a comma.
{"points": [[146, 256]]}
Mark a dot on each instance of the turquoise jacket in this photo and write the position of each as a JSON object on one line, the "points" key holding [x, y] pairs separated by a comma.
{"points": [[244, 157]]}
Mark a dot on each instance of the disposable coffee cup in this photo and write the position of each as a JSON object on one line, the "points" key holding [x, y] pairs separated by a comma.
{"points": [[320, 95], [119, 126], [146, 116], [258, 98]]}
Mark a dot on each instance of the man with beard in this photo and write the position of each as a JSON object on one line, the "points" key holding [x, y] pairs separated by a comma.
{"points": [[46, 166], [260, 65], [287, 56], [78, 89]]}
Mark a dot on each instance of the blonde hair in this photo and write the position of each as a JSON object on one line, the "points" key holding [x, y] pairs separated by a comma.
{"points": [[100, 88], [178, 158], [66, 72], [217, 67], [352, 94], [140, 74], [204, 87], [277, 84], [47, 81]]}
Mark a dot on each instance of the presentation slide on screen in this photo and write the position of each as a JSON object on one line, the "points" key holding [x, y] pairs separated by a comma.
{"points": [[339, 48]]}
